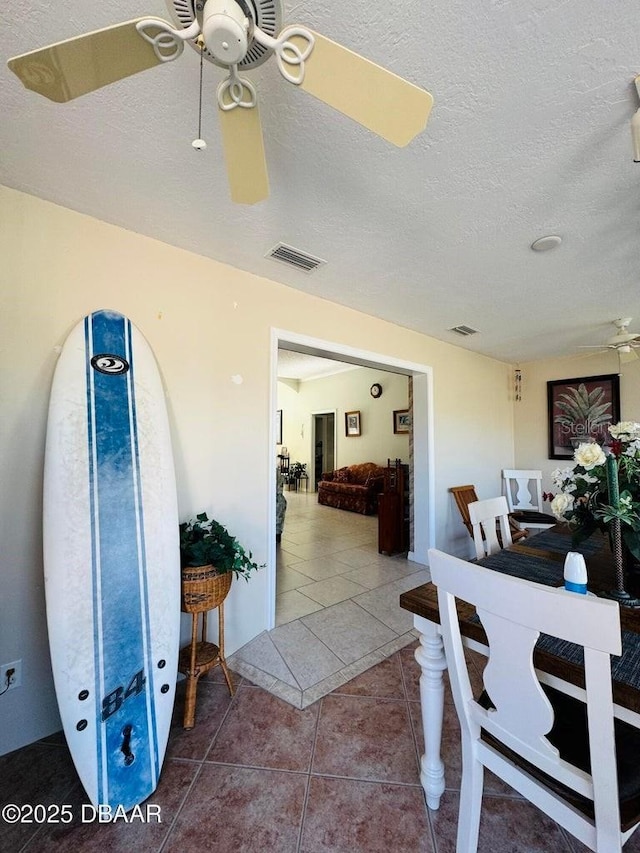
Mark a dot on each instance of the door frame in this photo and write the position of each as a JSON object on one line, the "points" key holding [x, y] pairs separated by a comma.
{"points": [[423, 441]]}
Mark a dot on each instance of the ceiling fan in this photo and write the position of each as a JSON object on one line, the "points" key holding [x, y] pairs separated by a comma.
{"points": [[236, 35], [624, 342]]}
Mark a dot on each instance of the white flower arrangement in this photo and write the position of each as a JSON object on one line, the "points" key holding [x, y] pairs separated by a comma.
{"points": [[603, 485]]}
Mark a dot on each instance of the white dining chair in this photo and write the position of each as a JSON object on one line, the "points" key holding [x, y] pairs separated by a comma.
{"points": [[489, 516], [554, 749], [523, 491]]}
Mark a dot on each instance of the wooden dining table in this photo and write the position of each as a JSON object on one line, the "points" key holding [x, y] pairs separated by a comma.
{"points": [[539, 558]]}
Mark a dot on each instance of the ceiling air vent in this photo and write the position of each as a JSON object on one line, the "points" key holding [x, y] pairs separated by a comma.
{"points": [[464, 330], [294, 258]]}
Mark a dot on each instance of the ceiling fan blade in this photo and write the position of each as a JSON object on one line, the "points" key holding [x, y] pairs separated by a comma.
{"points": [[244, 154], [369, 94], [588, 354], [68, 69]]}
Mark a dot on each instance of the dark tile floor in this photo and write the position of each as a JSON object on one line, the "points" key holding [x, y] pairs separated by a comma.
{"points": [[257, 775]]}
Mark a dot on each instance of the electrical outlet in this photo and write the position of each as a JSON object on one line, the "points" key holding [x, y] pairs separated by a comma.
{"points": [[8, 679]]}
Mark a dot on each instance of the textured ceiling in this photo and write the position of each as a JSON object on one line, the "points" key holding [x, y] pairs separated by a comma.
{"points": [[297, 365], [529, 135]]}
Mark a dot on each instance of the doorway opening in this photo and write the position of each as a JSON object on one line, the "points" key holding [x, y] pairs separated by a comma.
{"points": [[323, 440], [422, 439]]}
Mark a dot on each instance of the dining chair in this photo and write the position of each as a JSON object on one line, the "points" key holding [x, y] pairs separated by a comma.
{"points": [[523, 490], [463, 496], [567, 756], [488, 518]]}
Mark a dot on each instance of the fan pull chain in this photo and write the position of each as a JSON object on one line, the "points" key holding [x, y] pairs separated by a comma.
{"points": [[199, 143]]}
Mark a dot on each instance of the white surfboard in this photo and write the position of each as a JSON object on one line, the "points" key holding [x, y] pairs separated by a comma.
{"points": [[111, 558]]}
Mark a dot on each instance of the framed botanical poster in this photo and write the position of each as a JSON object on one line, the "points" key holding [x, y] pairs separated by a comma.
{"points": [[401, 421], [279, 426], [580, 410], [352, 423]]}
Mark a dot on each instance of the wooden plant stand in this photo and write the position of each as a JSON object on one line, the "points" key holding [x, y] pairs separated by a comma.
{"points": [[202, 590]]}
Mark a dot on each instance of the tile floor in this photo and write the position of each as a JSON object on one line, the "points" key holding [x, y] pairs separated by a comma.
{"points": [[337, 611], [257, 775]]}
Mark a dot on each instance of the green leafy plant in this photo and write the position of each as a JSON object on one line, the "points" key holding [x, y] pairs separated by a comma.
{"points": [[204, 541], [297, 470]]}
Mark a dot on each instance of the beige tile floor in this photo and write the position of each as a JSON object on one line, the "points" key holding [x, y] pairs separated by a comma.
{"points": [[337, 611]]}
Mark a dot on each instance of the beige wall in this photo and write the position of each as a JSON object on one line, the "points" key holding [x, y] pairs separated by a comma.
{"points": [[346, 392], [206, 323], [530, 415]]}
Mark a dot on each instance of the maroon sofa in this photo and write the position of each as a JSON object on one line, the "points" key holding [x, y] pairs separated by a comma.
{"points": [[354, 487]]}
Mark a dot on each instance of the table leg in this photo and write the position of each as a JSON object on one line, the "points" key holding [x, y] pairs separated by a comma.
{"points": [[430, 656]]}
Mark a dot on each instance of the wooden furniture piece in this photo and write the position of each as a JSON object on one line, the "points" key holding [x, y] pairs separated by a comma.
{"points": [[393, 510], [523, 490], [541, 559], [463, 496], [538, 741], [487, 518], [202, 590], [284, 460]]}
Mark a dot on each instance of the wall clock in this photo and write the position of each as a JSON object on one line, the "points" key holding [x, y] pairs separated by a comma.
{"points": [[376, 390]]}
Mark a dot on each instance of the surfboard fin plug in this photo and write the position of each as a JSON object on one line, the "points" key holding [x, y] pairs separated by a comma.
{"points": [[125, 749]]}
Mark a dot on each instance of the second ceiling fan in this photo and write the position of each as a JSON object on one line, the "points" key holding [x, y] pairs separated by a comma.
{"points": [[623, 342], [234, 35]]}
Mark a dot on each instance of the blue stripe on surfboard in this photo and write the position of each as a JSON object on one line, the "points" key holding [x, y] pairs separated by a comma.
{"points": [[120, 605], [144, 581], [97, 662]]}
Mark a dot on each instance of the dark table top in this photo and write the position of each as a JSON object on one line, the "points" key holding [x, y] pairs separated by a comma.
{"points": [[541, 558]]}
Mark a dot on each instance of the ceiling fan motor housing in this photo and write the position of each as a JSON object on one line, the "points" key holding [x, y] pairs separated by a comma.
{"points": [[266, 14], [225, 28]]}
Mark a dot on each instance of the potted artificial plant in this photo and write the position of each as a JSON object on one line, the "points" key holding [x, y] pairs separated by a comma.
{"points": [[209, 557], [298, 470]]}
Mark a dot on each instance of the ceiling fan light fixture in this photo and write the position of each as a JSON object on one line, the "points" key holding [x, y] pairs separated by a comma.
{"points": [[265, 14], [225, 28]]}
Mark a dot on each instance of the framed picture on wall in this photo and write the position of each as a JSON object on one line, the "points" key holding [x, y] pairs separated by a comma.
{"points": [[581, 410], [401, 421], [351, 423], [279, 426]]}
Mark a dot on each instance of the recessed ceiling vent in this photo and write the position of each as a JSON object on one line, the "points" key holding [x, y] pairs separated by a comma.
{"points": [[465, 331], [294, 258]]}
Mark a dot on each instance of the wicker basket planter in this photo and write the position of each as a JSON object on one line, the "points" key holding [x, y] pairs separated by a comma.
{"points": [[203, 589], [206, 541]]}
